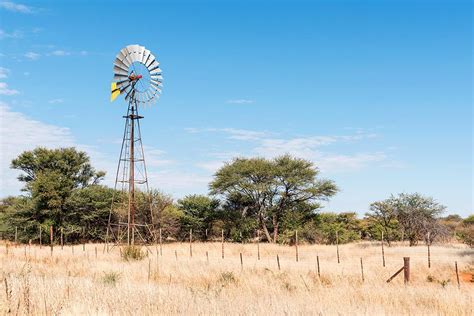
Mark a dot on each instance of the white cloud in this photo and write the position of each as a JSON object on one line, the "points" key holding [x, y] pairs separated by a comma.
{"points": [[32, 55], [264, 144], [211, 166], [240, 101], [4, 72], [56, 101], [16, 7], [4, 90], [14, 34], [233, 133], [154, 158], [60, 53], [19, 133]]}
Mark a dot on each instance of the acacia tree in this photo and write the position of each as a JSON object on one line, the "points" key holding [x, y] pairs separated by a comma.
{"points": [[51, 176], [382, 214], [418, 216], [272, 187]]}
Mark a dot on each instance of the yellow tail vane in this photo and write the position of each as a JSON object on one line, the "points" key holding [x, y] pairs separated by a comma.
{"points": [[115, 92]]}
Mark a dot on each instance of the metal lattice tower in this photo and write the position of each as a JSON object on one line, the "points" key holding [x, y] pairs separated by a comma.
{"points": [[136, 75]]}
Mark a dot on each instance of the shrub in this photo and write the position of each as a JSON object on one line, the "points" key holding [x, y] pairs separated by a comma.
{"points": [[110, 278], [133, 253]]}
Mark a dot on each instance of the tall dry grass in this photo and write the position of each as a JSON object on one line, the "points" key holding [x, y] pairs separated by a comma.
{"points": [[36, 282]]}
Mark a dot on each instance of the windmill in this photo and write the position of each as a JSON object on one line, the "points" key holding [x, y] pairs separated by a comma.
{"points": [[137, 76]]}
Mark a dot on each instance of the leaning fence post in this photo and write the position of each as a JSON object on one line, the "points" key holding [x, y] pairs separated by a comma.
{"points": [[406, 269], [337, 246], [296, 244], [383, 253], [278, 262]]}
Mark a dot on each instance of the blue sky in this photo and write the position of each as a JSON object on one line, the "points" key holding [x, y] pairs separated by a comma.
{"points": [[378, 94]]}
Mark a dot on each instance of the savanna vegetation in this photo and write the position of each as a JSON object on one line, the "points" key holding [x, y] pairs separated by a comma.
{"points": [[274, 196]]}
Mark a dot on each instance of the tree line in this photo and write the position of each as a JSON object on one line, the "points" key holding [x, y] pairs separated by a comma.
{"points": [[246, 196]]}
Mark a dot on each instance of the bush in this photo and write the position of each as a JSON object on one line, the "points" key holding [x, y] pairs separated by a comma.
{"points": [[133, 253], [110, 278]]}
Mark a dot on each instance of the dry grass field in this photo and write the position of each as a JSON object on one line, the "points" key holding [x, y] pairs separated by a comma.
{"points": [[74, 281]]}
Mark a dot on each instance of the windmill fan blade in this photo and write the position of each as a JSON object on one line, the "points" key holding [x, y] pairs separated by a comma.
{"points": [[120, 64], [120, 78], [151, 60], [123, 57], [133, 50], [141, 50], [157, 81], [153, 65], [120, 71], [146, 54]]}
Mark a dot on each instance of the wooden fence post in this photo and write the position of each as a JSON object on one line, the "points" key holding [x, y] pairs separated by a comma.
{"points": [[278, 262], [161, 249], [428, 241], [457, 273], [191, 242], [40, 241], [51, 238], [296, 245], [383, 253], [96, 252], [62, 239], [222, 243], [317, 261], [337, 246], [241, 262], [16, 235], [362, 269], [258, 244], [406, 269], [207, 257], [176, 254]]}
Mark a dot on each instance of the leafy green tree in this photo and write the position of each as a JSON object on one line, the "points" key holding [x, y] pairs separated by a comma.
{"points": [[272, 187], [465, 232], [199, 212], [383, 218], [51, 176], [418, 216]]}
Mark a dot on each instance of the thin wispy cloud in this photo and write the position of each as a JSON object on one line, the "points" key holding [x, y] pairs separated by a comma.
{"points": [[15, 34], [5, 90], [56, 101], [17, 7], [232, 133], [240, 101], [4, 72], [32, 56], [265, 144], [60, 53]]}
